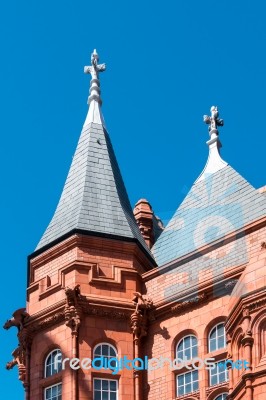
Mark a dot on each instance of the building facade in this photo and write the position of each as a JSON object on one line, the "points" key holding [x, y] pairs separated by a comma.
{"points": [[121, 308]]}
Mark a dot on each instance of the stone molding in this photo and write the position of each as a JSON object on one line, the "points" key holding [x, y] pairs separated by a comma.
{"points": [[252, 227], [189, 303]]}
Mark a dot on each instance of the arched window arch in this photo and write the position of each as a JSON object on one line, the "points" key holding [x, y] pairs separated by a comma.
{"points": [[53, 363], [187, 347], [106, 351], [222, 396], [217, 337]]}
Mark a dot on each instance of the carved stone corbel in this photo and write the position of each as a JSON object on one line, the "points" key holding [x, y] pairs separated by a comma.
{"points": [[73, 309], [142, 314]]}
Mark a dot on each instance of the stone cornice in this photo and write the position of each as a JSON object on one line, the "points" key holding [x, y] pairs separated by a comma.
{"points": [[93, 240], [254, 301], [158, 271], [94, 277], [97, 306], [199, 294]]}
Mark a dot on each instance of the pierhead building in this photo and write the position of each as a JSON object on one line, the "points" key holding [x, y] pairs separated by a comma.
{"points": [[120, 307]]}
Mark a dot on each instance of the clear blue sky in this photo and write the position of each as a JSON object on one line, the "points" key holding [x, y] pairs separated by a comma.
{"points": [[167, 63]]}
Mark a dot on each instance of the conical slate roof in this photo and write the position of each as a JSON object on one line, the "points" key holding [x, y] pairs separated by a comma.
{"points": [[219, 202], [94, 198]]}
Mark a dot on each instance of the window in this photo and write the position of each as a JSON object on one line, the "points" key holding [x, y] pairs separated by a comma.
{"points": [[105, 389], [187, 347], [222, 396], [106, 351], [262, 339], [217, 338], [53, 392], [53, 363], [187, 383], [219, 373]]}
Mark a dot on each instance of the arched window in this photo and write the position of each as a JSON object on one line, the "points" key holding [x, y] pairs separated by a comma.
{"points": [[222, 396], [105, 351], [263, 339], [217, 338], [187, 347], [53, 363]]}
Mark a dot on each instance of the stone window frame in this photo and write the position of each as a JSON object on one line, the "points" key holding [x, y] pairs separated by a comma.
{"points": [[109, 380], [210, 375], [190, 348], [183, 374], [51, 386], [209, 334], [221, 394], [57, 349], [110, 346]]}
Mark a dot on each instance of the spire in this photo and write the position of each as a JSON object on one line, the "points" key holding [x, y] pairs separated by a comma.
{"points": [[219, 203], [214, 162], [94, 199], [94, 99]]}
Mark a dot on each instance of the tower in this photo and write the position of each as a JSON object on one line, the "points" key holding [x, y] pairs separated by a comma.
{"points": [[83, 276]]}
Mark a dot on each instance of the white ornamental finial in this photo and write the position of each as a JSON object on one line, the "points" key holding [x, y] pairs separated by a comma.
{"points": [[215, 162], [214, 121], [94, 70]]}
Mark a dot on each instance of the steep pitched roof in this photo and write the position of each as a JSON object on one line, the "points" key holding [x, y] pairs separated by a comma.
{"points": [[219, 202], [94, 198]]}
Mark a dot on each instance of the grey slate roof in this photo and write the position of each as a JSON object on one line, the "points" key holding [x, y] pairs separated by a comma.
{"points": [[215, 206], [94, 197]]}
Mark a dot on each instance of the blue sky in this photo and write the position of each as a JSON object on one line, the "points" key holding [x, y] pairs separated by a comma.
{"points": [[167, 63]]}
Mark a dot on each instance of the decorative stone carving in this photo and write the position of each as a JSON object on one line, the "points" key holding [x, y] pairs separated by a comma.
{"points": [[46, 322], [214, 121], [188, 303], [141, 301], [19, 359], [73, 310], [105, 313], [230, 284], [20, 316], [247, 319], [141, 315], [257, 305], [94, 70], [18, 319]]}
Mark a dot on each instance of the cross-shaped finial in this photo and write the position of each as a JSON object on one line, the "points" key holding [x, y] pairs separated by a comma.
{"points": [[94, 68], [214, 121]]}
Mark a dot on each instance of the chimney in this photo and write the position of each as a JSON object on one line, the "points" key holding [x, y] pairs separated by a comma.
{"points": [[144, 216]]}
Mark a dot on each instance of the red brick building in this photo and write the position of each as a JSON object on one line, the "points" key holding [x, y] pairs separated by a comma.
{"points": [[105, 282]]}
